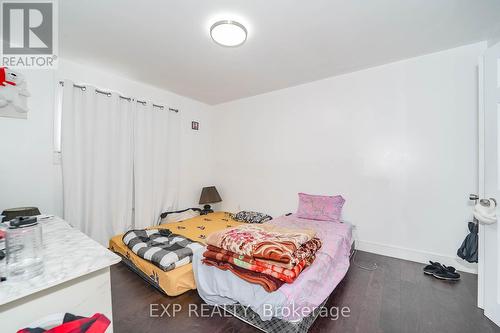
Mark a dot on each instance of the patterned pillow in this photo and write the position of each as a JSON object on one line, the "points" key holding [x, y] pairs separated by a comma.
{"points": [[251, 217], [320, 207]]}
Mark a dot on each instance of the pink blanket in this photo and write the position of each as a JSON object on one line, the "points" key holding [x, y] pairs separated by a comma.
{"points": [[318, 281]]}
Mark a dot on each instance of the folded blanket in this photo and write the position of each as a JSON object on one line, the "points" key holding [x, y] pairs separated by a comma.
{"points": [[283, 274], [161, 247], [268, 282], [264, 241]]}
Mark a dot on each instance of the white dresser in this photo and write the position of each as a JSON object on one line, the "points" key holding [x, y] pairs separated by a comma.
{"points": [[76, 279]]}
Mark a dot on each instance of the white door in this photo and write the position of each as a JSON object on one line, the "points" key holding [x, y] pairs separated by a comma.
{"points": [[489, 183]]}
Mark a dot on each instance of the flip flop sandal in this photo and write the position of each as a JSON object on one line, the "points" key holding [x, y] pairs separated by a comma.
{"points": [[450, 268], [432, 268], [447, 273]]}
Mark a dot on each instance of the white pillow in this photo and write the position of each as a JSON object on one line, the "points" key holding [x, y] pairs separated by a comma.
{"points": [[177, 217]]}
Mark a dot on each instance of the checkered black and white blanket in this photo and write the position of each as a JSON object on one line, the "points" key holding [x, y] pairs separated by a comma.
{"points": [[161, 247]]}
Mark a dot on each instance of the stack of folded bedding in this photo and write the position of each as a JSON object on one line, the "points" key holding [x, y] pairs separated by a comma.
{"points": [[264, 254]]}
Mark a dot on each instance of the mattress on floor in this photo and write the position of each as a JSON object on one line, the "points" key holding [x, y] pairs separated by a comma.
{"points": [[181, 279]]}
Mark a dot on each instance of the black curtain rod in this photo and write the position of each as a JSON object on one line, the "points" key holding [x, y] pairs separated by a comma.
{"points": [[107, 93]]}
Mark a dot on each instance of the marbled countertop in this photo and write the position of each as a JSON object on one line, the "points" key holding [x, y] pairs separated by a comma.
{"points": [[68, 254]]}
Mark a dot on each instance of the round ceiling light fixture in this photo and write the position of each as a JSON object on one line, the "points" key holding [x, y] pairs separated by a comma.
{"points": [[228, 33]]}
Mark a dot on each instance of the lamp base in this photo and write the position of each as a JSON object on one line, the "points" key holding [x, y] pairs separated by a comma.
{"points": [[206, 210]]}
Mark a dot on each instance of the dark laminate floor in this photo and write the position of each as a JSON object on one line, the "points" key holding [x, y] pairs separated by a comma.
{"points": [[396, 297]]}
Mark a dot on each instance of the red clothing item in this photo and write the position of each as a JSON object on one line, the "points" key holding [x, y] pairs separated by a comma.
{"points": [[98, 323], [3, 77]]}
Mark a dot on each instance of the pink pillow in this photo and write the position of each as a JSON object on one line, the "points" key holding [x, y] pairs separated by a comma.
{"points": [[320, 207]]}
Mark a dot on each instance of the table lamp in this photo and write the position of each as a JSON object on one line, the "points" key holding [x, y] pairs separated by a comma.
{"points": [[209, 195]]}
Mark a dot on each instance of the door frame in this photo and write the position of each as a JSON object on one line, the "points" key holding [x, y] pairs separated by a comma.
{"points": [[481, 185]]}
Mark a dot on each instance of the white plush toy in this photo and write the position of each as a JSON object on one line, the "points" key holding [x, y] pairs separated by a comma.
{"points": [[13, 91]]}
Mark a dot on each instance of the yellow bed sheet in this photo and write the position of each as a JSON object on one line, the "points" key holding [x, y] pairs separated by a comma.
{"points": [[179, 280]]}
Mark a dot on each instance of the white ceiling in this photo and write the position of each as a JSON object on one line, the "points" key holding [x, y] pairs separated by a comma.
{"points": [[167, 43]]}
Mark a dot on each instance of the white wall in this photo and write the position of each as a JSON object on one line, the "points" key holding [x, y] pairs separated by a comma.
{"points": [[28, 174], [398, 141]]}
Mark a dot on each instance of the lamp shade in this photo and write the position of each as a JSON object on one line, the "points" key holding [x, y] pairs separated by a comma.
{"points": [[209, 195]]}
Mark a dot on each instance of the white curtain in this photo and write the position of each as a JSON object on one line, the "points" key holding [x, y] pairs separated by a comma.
{"points": [[156, 157], [97, 161]]}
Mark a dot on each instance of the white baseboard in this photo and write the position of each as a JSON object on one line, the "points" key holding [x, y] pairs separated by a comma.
{"points": [[415, 255]]}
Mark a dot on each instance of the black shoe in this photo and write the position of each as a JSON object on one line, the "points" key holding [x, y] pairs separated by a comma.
{"points": [[447, 273], [432, 268]]}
